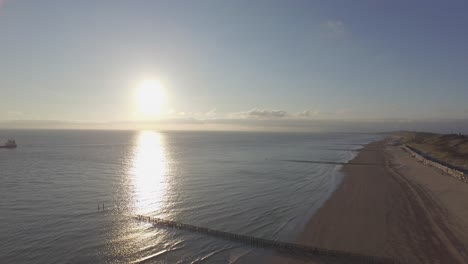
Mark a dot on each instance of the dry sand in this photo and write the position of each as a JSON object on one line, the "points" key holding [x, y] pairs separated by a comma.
{"points": [[398, 208]]}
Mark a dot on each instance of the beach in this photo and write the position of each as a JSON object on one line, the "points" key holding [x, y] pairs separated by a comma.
{"points": [[393, 207]]}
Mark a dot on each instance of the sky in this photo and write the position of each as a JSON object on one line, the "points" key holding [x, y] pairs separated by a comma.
{"points": [[250, 64]]}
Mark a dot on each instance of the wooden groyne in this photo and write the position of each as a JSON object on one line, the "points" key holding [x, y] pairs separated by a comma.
{"points": [[459, 173], [290, 248]]}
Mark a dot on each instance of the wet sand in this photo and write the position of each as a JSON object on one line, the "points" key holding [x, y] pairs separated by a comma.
{"points": [[397, 208]]}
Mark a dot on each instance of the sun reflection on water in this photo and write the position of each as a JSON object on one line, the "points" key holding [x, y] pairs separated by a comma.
{"points": [[149, 173]]}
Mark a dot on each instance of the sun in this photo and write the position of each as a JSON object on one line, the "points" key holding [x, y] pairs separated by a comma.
{"points": [[150, 98]]}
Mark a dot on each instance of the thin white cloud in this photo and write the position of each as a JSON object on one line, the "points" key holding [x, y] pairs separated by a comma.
{"points": [[333, 28], [211, 113], [257, 113], [199, 115], [263, 114], [306, 113], [320, 114]]}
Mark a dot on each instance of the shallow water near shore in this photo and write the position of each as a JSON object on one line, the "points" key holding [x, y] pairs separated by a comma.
{"points": [[236, 182]]}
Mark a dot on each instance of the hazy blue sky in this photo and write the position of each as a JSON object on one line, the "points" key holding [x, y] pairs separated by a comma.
{"points": [[82, 60]]}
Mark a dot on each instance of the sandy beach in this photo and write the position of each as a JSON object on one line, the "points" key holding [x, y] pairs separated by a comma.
{"points": [[397, 208]]}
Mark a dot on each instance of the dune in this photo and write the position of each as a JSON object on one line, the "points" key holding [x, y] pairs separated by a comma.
{"points": [[451, 148]]}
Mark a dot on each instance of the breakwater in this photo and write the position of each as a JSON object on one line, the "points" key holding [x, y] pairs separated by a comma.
{"points": [[284, 247], [449, 169]]}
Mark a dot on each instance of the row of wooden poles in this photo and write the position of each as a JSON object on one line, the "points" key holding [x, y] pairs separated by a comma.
{"points": [[425, 159], [291, 248]]}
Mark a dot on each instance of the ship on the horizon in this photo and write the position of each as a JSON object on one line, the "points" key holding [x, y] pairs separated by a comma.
{"points": [[10, 144]]}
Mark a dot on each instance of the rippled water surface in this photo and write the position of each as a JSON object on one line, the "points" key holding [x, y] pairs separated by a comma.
{"points": [[237, 182]]}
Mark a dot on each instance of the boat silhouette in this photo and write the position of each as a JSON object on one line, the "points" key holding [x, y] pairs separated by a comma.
{"points": [[10, 144]]}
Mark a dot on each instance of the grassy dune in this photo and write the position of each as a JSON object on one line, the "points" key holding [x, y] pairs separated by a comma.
{"points": [[451, 148]]}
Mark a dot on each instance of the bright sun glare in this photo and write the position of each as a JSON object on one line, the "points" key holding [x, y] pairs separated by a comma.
{"points": [[150, 97]]}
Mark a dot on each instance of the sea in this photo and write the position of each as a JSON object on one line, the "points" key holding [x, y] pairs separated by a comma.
{"points": [[54, 186]]}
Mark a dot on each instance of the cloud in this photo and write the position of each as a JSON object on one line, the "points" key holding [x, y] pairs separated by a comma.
{"points": [[319, 114], [306, 113], [211, 113], [196, 115], [333, 28], [313, 113], [264, 114]]}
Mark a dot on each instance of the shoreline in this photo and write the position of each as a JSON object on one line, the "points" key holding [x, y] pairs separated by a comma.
{"points": [[391, 209]]}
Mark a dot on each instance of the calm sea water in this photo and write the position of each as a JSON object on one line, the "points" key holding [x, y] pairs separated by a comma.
{"points": [[236, 182]]}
